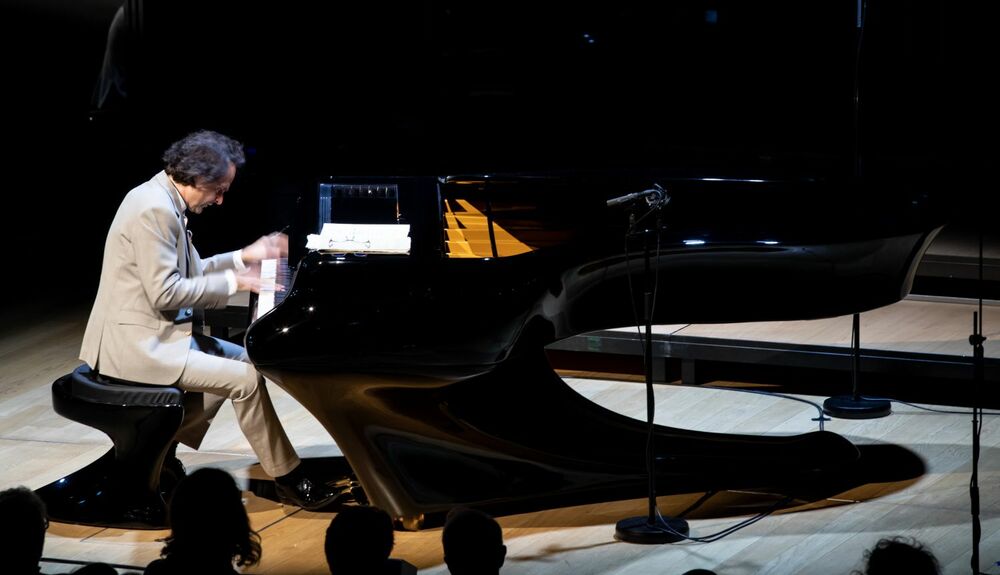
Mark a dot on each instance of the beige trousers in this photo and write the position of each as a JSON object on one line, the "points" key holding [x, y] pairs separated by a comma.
{"points": [[217, 370]]}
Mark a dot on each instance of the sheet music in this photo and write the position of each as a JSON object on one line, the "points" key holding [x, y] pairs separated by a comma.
{"points": [[362, 238]]}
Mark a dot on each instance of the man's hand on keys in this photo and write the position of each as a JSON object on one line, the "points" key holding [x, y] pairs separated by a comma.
{"points": [[250, 280]]}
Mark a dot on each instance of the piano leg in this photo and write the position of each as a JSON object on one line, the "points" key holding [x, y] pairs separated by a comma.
{"points": [[519, 437]]}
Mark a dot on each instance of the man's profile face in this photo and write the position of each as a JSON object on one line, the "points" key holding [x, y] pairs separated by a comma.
{"points": [[211, 193]]}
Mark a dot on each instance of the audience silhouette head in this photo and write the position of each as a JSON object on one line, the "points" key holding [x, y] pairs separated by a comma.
{"points": [[209, 527], [359, 541], [473, 543], [900, 555], [22, 530]]}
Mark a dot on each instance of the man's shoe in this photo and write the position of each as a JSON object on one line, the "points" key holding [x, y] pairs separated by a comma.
{"points": [[307, 494]]}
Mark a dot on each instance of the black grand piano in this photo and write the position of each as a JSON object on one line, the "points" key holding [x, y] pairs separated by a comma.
{"points": [[504, 128], [428, 369]]}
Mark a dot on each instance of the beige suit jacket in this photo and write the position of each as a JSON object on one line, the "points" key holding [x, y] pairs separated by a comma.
{"points": [[141, 322]]}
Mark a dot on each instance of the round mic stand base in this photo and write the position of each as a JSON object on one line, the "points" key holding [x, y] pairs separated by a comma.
{"points": [[854, 406], [850, 407], [651, 531]]}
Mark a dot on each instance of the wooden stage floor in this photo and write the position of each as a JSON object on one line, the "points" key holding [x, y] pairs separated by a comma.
{"points": [[821, 537]]}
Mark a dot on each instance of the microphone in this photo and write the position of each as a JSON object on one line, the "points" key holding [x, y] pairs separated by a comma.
{"points": [[654, 195]]}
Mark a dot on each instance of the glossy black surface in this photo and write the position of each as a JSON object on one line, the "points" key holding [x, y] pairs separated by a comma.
{"points": [[428, 371], [728, 252], [123, 487]]}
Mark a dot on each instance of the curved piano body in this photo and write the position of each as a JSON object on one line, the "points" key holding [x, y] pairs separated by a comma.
{"points": [[428, 369]]}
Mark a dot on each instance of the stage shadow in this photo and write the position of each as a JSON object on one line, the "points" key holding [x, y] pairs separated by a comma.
{"points": [[881, 470]]}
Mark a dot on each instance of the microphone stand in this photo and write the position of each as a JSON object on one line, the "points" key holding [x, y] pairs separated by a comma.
{"points": [[976, 340], [854, 406], [652, 528]]}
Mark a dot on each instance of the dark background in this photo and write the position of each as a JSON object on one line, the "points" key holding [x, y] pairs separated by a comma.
{"points": [[716, 88]]}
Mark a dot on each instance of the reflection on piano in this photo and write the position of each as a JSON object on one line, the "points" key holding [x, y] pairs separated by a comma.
{"points": [[428, 368]]}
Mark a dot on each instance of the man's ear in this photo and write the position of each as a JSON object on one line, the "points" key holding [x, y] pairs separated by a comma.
{"points": [[503, 555]]}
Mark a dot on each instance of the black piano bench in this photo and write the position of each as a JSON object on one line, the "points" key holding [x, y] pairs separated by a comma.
{"points": [[122, 488]]}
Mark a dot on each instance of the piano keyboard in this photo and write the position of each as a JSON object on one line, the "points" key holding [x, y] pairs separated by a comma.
{"points": [[272, 272]]}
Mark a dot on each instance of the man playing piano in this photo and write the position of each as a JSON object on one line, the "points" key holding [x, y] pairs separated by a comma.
{"points": [[153, 282]]}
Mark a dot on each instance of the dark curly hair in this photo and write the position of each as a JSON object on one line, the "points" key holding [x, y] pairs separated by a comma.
{"points": [[208, 520], [202, 157], [900, 555]]}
